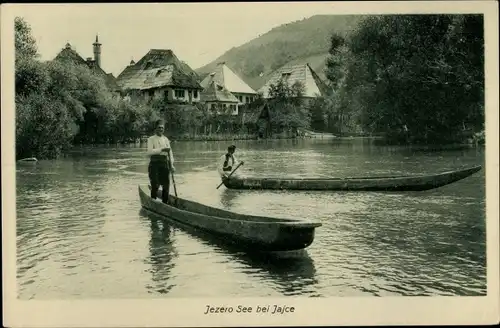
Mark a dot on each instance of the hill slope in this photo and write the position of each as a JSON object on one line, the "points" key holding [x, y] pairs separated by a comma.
{"points": [[298, 42]]}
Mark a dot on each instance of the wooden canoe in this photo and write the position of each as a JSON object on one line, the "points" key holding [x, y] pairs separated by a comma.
{"points": [[256, 232], [387, 183], [28, 160]]}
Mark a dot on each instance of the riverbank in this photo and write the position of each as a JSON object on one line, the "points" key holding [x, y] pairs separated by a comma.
{"points": [[376, 140], [227, 137]]}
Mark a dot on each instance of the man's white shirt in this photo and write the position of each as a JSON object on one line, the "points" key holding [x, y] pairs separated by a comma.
{"points": [[231, 162], [156, 144]]}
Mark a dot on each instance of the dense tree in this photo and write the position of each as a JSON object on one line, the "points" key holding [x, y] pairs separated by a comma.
{"points": [[24, 41], [335, 60], [416, 78], [59, 103], [289, 111]]}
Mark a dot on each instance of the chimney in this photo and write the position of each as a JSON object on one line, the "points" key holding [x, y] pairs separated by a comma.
{"points": [[132, 62], [68, 46], [97, 51]]}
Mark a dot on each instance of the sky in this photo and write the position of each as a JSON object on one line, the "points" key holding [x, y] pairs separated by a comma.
{"points": [[198, 33]]}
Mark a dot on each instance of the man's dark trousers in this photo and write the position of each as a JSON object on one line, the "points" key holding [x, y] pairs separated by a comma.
{"points": [[159, 175]]}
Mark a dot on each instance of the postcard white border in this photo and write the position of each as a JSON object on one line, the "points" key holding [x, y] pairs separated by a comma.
{"points": [[325, 311]]}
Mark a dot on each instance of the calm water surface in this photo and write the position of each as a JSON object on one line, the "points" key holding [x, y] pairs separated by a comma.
{"points": [[81, 232]]}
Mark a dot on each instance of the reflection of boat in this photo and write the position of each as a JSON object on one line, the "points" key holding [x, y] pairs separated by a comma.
{"points": [[257, 232], [291, 273], [290, 276], [227, 198], [374, 183]]}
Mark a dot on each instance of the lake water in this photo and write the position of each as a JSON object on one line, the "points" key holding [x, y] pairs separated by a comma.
{"points": [[81, 232]]}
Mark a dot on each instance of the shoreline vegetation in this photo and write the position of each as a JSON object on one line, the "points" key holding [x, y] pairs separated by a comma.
{"points": [[423, 90]]}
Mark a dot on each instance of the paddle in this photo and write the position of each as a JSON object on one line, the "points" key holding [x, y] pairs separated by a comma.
{"points": [[241, 163], [172, 172]]}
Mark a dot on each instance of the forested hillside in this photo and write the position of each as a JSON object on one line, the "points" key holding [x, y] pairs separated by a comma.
{"points": [[302, 41]]}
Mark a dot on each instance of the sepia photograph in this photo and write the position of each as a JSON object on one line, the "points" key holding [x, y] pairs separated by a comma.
{"points": [[250, 163]]}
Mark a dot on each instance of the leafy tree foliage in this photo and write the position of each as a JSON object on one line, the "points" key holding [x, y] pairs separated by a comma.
{"points": [[415, 78], [58, 104], [288, 109], [24, 41]]}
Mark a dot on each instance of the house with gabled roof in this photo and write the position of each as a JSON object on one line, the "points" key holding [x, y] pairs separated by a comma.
{"points": [[219, 100], [314, 86], [224, 76], [68, 54], [161, 74], [257, 119]]}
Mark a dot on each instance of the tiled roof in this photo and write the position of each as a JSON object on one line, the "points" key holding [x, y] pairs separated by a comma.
{"points": [[250, 114], [158, 68], [302, 73], [111, 82], [216, 92], [224, 76], [69, 54]]}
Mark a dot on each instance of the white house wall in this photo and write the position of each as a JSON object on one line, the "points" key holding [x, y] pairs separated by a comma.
{"points": [[169, 93], [210, 106], [245, 98]]}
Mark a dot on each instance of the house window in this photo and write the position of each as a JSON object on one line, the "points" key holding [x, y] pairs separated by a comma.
{"points": [[159, 72], [179, 93], [195, 93], [234, 109], [240, 98]]}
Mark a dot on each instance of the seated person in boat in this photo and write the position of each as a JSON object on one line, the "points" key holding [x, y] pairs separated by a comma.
{"points": [[228, 162], [161, 162]]}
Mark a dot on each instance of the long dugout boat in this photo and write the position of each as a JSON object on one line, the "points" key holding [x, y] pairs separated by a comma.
{"points": [[375, 183], [258, 233]]}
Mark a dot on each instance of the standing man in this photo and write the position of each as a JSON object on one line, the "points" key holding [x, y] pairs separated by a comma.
{"points": [[161, 162], [227, 162]]}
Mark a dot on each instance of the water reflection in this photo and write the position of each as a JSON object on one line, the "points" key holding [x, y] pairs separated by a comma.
{"points": [[291, 273], [51, 196], [227, 198], [290, 276], [418, 250], [77, 216], [162, 253]]}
